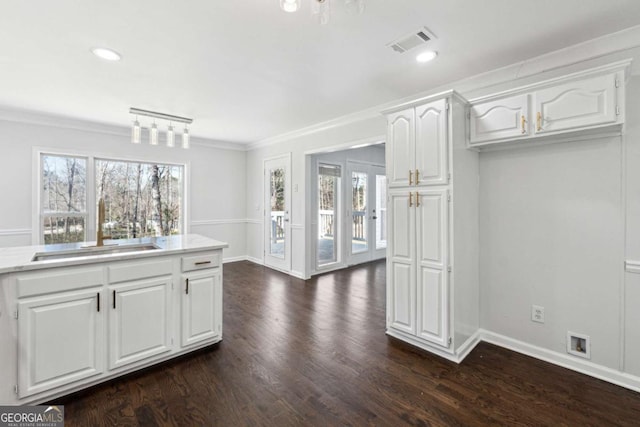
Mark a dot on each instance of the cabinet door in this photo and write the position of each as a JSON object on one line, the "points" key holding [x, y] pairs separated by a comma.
{"points": [[201, 307], [431, 144], [400, 147], [499, 119], [401, 289], [583, 103], [60, 339], [139, 319], [432, 251]]}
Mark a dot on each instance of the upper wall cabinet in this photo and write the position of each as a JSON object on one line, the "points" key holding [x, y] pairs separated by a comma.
{"points": [[418, 136], [590, 101]]}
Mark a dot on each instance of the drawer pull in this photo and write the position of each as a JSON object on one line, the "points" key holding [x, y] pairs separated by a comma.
{"points": [[203, 262], [114, 299], [187, 287], [98, 294]]}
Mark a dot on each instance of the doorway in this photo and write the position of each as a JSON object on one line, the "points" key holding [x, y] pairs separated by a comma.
{"points": [[277, 225]]}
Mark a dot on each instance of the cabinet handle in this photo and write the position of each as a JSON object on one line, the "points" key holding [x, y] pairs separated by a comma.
{"points": [[114, 299], [417, 177], [187, 287], [539, 121], [410, 177], [98, 295], [417, 200], [209, 262], [410, 199], [522, 122]]}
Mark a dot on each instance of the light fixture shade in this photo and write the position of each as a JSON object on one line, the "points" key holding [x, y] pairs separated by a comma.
{"points": [[185, 138], [354, 6], [170, 137], [135, 132], [426, 56], [290, 5], [153, 134], [322, 10]]}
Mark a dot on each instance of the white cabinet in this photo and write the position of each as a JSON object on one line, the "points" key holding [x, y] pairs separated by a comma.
{"points": [[576, 104], [201, 299], [588, 102], [505, 118], [60, 328], [418, 137], [75, 326], [432, 252], [139, 320], [201, 320], [61, 339], [418, 297]]}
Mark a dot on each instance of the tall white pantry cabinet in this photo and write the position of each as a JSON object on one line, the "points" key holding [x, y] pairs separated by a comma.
{"points": [[432, 252]]}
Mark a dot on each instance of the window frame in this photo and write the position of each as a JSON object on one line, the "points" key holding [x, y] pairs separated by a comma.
{"points": [[91, 215]]}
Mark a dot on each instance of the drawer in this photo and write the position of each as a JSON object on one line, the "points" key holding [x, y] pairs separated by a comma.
{"points": [[135, 270], [59, 280], [201, 261]]}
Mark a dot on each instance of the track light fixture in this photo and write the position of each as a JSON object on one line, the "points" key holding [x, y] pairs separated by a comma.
{"points": [[154, 131]]}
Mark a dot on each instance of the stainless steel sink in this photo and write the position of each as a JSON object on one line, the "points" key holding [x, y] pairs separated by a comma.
{"points": [[93, 250]]}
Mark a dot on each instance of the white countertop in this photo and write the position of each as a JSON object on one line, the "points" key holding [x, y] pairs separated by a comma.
{"points": [[19, 258]]}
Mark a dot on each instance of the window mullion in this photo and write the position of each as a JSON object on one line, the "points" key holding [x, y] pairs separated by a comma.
{"points": [[91, 199]]}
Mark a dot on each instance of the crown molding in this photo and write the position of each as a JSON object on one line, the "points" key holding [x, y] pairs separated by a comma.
{"points": [[593, 49]]}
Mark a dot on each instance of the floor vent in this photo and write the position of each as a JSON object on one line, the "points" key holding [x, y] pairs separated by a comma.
{"points": [[416, 38]]}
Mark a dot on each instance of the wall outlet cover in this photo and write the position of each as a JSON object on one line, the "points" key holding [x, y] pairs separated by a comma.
{"points": [[537, 314]]}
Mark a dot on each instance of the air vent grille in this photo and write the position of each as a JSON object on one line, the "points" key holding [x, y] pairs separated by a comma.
{"points": [[416, 38]]}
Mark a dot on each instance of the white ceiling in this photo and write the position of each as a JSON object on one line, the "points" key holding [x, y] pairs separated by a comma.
{"points": [[246, 71]]}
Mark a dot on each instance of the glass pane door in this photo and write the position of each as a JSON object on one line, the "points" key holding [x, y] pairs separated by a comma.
{"points": [[359, 234], [277, 213], [277, 200], [380, 214], [328, 219]]}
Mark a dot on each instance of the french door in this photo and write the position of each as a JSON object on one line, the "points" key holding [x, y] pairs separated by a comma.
{"points": [[366, 212], [277, 225]]}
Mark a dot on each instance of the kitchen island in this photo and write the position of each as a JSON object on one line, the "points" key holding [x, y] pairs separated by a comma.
{"points": [[75, 315]]}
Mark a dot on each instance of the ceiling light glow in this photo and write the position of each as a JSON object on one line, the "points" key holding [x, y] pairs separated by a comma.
{"points": [[289, 5], [106, 54], [426, 56]]}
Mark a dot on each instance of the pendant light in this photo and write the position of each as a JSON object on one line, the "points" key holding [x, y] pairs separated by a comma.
{"points": [[153, 134], [185, 138], [154, 131], [135, 132], [170, 137], [289, 5]]}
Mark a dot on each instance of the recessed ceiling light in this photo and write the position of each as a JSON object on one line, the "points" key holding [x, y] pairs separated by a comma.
{"points": [[104, 53], [426, 56]]}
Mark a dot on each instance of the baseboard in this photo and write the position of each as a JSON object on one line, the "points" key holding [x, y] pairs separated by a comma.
{"points": [[468, 345], [297, 274], [234, 259], [254, 260], [583, 366]]}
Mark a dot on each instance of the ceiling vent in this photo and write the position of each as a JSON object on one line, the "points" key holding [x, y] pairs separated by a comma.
{"points": [[416, 38]]}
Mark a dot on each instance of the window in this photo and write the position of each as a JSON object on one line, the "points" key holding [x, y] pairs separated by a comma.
{"points": [[64, 199], [141, 199]]}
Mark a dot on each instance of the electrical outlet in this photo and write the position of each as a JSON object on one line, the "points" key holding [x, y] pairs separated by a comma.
{"points": [[537, 314]]}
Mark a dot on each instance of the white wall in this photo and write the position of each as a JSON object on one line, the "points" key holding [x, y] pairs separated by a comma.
{"points": [[217, 176], [552, 217], [370, 129]]}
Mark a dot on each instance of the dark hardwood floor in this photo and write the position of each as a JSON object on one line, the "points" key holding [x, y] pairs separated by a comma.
{"points": [[315, 353]]}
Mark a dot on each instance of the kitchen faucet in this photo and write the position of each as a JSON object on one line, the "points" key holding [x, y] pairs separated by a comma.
{"points": [[100, 235]]}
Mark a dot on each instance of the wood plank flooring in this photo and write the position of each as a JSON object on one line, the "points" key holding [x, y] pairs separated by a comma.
{"points": [[315, 353]]}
